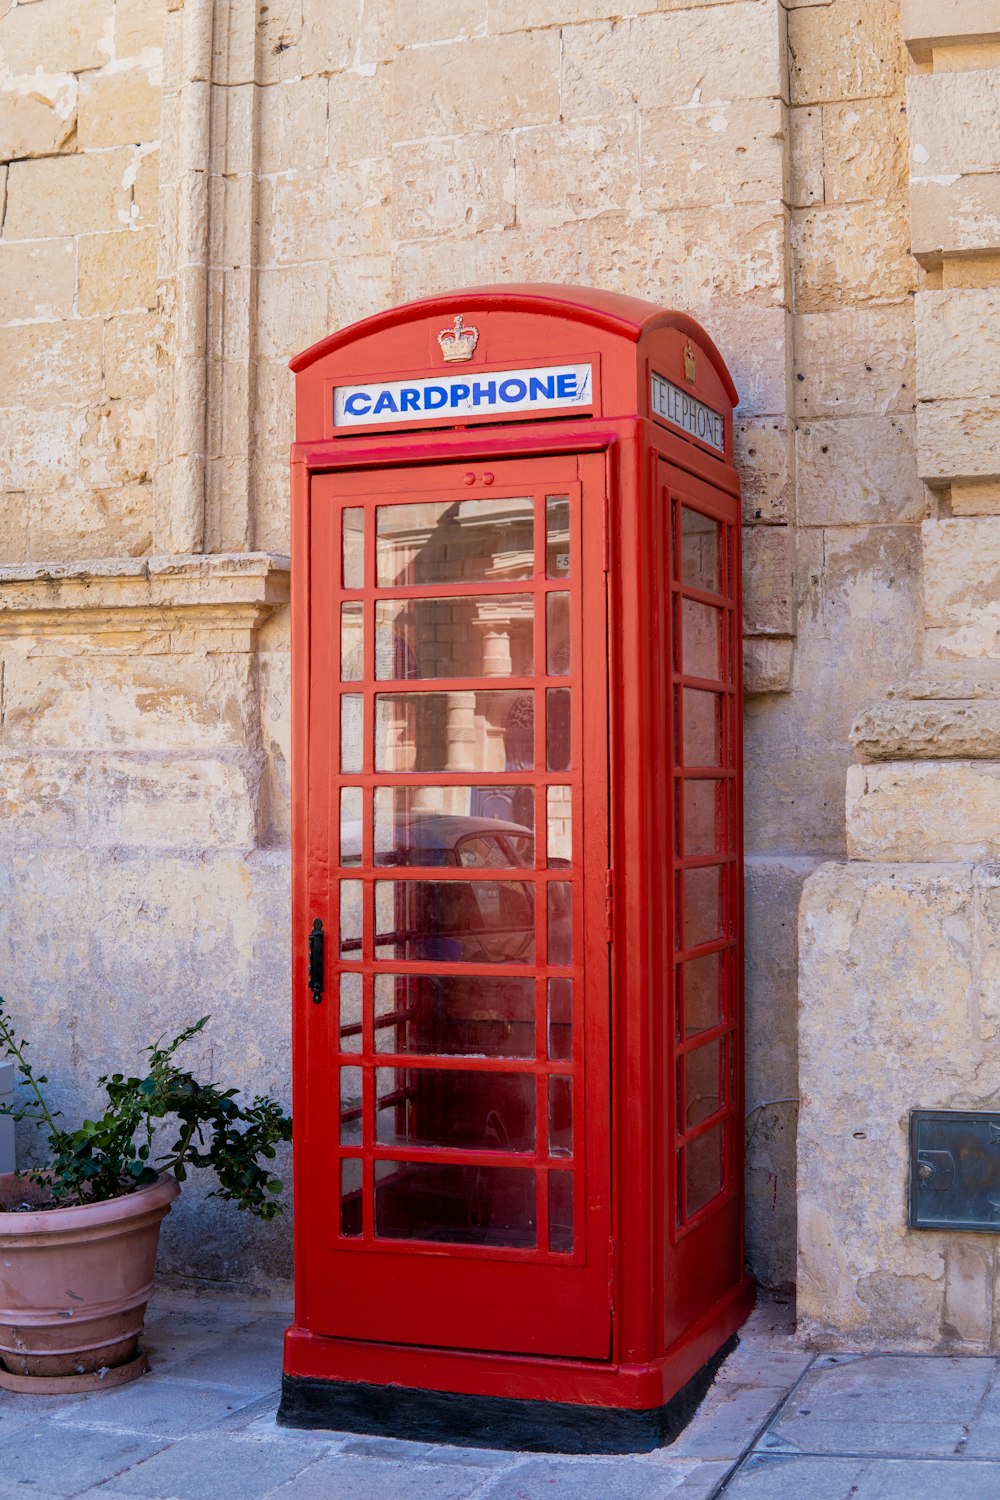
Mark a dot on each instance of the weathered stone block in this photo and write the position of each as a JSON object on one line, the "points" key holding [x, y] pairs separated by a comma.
{"points": [[61, 35], [975, 497], [958, 343], [946, 727], [962, 587], [119, 108], [130, 355], [361, 116], [117, 271], [767, 580], [145, 189], [939, 23], [39, 446], [38, 117], [958, 439], [768, 664], [848, 50], [758, 345], [729, 153], [855, 362], [170, 803], [112, 512], [60, 195], [566, 173], [956, 216], [864, 150], [41, 362], [42, 797], [762, 457], [37, 280], [138, 24], [954, 123], [924, 810], [291, 309], [805, 156], [497, 83], [293, 125], [858, 469], [454, 186], [851, 254]]}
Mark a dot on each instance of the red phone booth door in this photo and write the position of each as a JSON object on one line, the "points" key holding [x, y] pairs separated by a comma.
{"points": [[458, 858]]}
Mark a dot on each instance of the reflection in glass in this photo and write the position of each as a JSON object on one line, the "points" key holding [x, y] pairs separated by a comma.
{"points": [[703, 993], [560, 904], [455, 541], [351, 798], [470, 1111], [560, 1117], [703, 1093], [559, 821], [702, 739], [455, 921], [557, 729], [458, 731], [455, 1204], [353, 542], [561, 1211], [350, 1196], [351, 732], [560, 1018], [350, 1106], [703, 912], [454, 1016], [352, 649], [557, 662], [705, 1168], [350, 1012], [557, 536], [476, 636], [703, 806], [700, 551], [472, 826], [702, 636], [351, 895]]}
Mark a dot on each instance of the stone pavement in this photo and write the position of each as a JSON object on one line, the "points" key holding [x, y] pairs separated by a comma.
{"points": [[780, 1423]]}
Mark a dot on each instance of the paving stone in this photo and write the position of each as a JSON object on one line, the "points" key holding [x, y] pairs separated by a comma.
{"points": [[911, 1387], [588, 1479], [238, 1362], [892, 1437], [728, 1422], [766, 1478], [64, 1460], [215, 1468], [377, 1479], [925, 1479], [158, 1407]]}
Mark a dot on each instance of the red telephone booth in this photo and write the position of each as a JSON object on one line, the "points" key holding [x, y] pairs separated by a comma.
{"points": [[517, 872]]}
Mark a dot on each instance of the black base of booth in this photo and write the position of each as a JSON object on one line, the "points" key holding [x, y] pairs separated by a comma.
{"points": [[491, 1421]]}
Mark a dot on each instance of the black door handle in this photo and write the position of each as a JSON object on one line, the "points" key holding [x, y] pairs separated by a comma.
{"points": [[316, 961]]}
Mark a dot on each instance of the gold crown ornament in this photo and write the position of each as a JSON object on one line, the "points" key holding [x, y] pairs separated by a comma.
{"points": [[458, 343], [690, 368]]}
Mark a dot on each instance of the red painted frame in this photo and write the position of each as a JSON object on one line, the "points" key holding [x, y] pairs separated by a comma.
{"points": [[678, 1287]]}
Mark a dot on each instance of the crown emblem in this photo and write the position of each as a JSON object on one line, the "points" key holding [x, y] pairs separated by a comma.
{"points": [[458, 343], [690, 369]]}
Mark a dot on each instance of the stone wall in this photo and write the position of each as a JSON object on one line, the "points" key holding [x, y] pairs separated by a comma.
{"points": [[744, 160]]}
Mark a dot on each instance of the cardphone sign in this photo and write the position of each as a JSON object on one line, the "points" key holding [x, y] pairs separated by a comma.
{"points": [[468, 394]]}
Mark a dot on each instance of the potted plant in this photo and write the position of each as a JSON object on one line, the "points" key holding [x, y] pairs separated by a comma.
{"points": [[78, 1236]]}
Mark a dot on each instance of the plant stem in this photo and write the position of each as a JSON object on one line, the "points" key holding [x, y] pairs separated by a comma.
{"points": [[7, 1037]]}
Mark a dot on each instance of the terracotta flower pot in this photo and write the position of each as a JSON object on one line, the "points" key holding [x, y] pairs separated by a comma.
{"points": [[74, 1283]]}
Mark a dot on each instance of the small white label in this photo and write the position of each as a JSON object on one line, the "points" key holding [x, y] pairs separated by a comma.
{"points": [[674, 405], [488, 393]]}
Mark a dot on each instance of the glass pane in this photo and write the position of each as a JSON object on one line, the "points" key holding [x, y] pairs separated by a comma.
{"points": [[560, 1000], [560, 897], [455, 1204], [705, 1169], [351, 892], [354, 548], [702, 805], [350, 1196], [456, 541], [557, 729], [701, 639], [700, 551], [561, 1211], [559, 819], [352, 641], [703, 1092], [560, 1117], [350, 1106], [703, 911], [479, 827], [454, 1016], [702, 739], [455, 921], [557, 635], [351, 800], [481, 636], [455, 1108], [351, 732], [557, 536], [463, 731], [350, 1012], [704, 999]]}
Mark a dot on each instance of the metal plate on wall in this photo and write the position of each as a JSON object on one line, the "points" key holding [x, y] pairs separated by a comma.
{"points": [[955, 1170]]}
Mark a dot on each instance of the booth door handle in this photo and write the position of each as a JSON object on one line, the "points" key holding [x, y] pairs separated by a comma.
{"points": [[316, 965]]}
